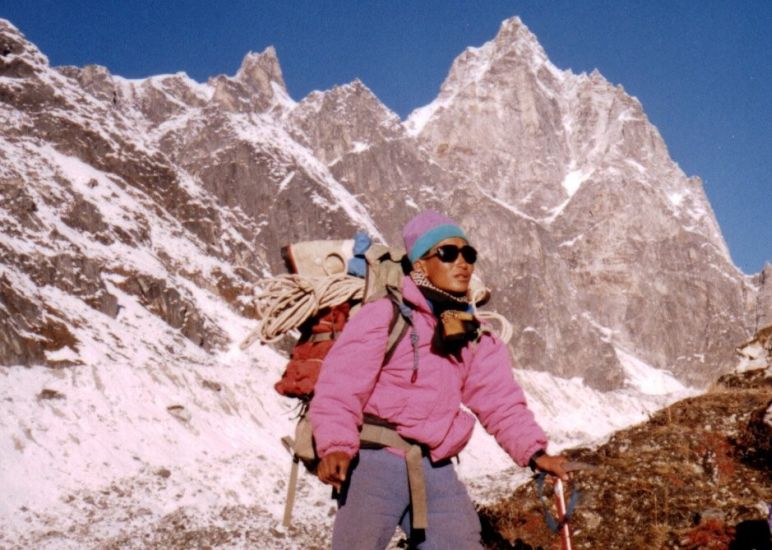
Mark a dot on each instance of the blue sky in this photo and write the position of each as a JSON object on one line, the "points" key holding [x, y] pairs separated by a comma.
{"points": [[701, 69]]}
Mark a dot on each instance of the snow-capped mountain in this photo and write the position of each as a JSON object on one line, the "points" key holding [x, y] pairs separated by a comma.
{"points": [[636, 237], [138, 215]]}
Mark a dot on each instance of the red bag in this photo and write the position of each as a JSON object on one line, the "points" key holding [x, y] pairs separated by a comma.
{"points": [[317, 337]]}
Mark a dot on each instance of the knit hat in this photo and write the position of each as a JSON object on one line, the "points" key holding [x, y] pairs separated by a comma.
{"points": [[427, 229]]}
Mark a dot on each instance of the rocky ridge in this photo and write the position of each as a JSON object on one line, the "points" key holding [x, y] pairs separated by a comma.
{"points": [[608, 246]]}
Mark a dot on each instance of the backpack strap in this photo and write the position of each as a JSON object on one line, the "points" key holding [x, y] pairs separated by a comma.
{"points": [[374, 433], [292, 488], [388, 437], [302, 449], [402, 320], [397, 330], [385, 270]]}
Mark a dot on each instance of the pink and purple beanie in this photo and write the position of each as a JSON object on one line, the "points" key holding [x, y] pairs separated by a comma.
{"points": [[427, 229]]}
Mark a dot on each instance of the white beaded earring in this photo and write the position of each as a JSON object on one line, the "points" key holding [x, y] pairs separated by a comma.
{"points": [[419, 278]]}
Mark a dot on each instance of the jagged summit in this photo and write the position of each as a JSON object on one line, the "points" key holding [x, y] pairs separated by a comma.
{"points": [[344, 96], [258, 85], [497, 67], [515, 37], [555, 148], [259, 70], [355, 90], [347, 118], [355, 86], [7, 26], [18, 56], [357, 93]]}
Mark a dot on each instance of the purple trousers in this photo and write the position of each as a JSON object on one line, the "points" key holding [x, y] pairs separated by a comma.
{"points": [[376, 500]]}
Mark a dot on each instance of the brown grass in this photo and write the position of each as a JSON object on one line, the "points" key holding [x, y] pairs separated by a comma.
{"points": [[680, 480]]}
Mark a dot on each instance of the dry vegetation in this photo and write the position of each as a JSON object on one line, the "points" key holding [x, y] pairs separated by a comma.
{"points": [[696, 475]]}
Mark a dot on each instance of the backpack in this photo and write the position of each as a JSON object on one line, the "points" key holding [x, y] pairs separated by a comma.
{"points": [[319, 321], [384, 269]]}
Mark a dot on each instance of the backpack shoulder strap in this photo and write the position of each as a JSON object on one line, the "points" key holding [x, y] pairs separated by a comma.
{"points": [[384, 271], [402, 320], [397, 330]]}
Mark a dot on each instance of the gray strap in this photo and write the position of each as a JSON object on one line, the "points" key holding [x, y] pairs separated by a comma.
{"points": [[396, 334], [381, 435], [321, 337], [384, 436], [303, 447], [291, 490]]}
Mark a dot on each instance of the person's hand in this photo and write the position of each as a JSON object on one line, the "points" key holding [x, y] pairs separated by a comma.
{"points": [[554, 465], [333, 468]]}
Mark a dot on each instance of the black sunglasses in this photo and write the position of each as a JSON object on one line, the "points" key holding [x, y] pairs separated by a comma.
{"points": [[447, 253]]}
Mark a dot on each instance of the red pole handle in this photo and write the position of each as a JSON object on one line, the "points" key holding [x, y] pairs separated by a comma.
{"points": [[560, 499]]}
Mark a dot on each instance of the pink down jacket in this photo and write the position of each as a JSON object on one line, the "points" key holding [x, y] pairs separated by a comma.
{"points": [[353, 381]]}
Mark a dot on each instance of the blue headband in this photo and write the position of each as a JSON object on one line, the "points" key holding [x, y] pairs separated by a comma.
{"points": [[426, 241]]}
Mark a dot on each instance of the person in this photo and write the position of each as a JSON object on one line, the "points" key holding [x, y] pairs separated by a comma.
{"points": [[421, 399]]}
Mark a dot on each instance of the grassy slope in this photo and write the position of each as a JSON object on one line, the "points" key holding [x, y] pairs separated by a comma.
{"points": [[693, 476]]}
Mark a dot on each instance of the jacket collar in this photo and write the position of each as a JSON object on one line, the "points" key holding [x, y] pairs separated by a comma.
{"points": [[411, 293]]}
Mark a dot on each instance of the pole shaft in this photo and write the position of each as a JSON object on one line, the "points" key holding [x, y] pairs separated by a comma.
{"points": [[560, 498]]}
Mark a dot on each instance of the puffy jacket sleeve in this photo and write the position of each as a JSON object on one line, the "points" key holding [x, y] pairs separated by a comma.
{"points": [[347, 379], [492, 393]]}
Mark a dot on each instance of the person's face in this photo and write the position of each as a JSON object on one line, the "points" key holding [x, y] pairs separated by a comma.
{"points": [[453, 277]]}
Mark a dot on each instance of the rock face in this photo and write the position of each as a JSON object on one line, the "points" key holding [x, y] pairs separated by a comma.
{"points": [[764, 299], [165, 194], [87, 206]]}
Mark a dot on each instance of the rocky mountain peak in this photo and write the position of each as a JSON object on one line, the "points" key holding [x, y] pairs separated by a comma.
{"points": [[356, 88], [257, 87], [357, 96], [554, 148], [506, 78], [513, 51], [259, 70], [348, 118], [514, 37], [19, 58]]}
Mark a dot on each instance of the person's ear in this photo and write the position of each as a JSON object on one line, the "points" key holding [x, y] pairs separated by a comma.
{"points": [[420, 266]]}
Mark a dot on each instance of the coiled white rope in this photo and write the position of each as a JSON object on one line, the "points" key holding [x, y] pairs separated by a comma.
{"points": [[505, 331], [287, 301]]}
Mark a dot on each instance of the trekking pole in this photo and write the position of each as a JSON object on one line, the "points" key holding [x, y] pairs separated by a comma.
{"points": [[560, 499], [565, 511]]}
